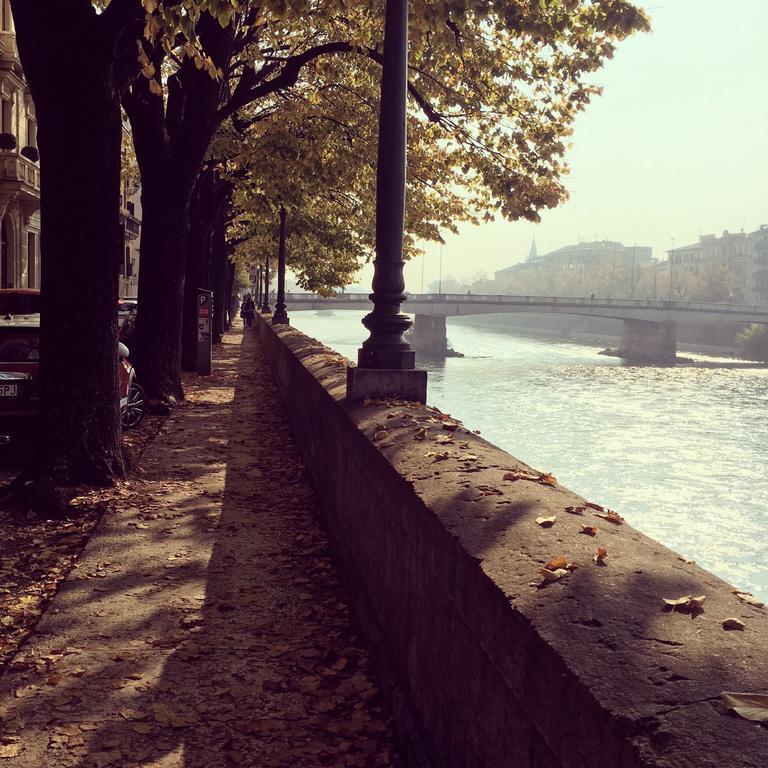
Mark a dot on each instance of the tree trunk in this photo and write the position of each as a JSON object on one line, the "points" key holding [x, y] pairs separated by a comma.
{"points": [[219, 263], [171, 138], [79, 132], [164, 235]]}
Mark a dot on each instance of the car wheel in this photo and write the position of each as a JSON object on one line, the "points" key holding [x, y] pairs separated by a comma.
{"points": [[133, 412]]}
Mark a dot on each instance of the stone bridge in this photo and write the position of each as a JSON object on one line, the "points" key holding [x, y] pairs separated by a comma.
{"points": [[650, 325]]}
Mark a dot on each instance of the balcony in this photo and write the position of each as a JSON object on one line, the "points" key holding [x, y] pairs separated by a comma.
{"points": [[8, 49], [131, 225], [20, 178]]}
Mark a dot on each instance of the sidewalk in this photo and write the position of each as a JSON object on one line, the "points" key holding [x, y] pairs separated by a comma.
{"points": [[204, 626]]}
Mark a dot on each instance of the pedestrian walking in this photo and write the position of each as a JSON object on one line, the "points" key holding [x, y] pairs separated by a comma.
{"points": [[248, 310]]}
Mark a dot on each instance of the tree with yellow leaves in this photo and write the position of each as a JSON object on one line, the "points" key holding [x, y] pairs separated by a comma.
{"points": [[494, 88]]}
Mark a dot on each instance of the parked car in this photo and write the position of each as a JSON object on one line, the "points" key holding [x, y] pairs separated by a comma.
{"points": [[19, 372], [19, 301]]}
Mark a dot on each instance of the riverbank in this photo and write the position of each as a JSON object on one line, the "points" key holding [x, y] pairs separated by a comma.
{"points": [[717, 339]]}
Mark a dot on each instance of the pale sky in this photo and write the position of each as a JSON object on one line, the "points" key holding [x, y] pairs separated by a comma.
{"points": [[677, 145]]}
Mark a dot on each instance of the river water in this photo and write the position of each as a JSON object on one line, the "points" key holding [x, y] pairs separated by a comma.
{"points": [[680, 452]]}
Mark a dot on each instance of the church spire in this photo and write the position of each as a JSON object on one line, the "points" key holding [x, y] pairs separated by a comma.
{"points": [[533, 253]]}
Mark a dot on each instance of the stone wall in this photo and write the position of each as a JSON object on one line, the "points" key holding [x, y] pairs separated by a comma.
{"points": [[486, 663]]}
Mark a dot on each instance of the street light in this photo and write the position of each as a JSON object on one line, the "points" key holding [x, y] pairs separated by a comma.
{"points": [[281, 316], [386, 362], [440, 272], [671, 267], [265, 308]]}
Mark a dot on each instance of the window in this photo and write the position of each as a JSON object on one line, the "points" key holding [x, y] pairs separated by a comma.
{"points": [[31, 132], [7, 116], [7, 23]]}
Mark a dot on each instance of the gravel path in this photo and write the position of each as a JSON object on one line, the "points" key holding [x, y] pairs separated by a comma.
{"points": [[203, 626]]}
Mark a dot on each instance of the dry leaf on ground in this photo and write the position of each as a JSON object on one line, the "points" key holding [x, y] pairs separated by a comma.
{"points": [[546, 522], [561, 561], [749, 599], [751, 706], [733, 623], [610, 516], [600, 556], [686, 604], [553, 575]]}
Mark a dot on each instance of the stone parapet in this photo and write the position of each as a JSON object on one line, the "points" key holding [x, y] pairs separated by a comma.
{"points": [[485, 660]]}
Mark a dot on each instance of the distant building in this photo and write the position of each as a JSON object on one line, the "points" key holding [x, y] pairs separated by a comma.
{"points": [[581, 256], [742, 256], [19, 171], [760, 266]]}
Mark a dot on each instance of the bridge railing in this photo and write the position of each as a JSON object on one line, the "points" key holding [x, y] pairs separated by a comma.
{"points": [[594, 301]]}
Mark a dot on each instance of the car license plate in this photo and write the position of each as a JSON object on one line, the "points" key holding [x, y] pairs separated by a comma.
{"points": [[8, 390]]}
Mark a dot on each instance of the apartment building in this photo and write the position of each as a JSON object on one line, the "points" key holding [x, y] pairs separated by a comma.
{"points": [[741, 257], [19, 168]]}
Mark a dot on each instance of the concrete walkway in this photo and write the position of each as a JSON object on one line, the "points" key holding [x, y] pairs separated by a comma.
{"points": [[204, 625]]}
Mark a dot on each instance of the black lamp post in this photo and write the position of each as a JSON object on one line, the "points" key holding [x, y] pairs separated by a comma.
{"points": [[281, 316], [265, 298], [258, 289], [386, 362]]}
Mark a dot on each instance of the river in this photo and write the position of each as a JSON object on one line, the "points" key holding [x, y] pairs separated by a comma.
{"points": [[681, 452]]}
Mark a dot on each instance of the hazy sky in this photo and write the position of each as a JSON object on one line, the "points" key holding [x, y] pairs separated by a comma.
{"points": [[676, 146]]}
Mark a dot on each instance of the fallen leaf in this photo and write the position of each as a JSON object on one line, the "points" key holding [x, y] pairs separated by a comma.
{"points": [[600, 555], [579, 510], [749, 598], [589, 530], [546, 479], [751, 706], [687, 603], [381, 434], [451, 426], [733, 623], [421, 433], [554, 575], [557, 563], [546, 522], [610, 516], [519, 476], [444, 439], [10, 750]]}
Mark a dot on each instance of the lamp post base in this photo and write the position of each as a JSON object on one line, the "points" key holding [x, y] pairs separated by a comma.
{"points": [[280, 317], [386, 384]]}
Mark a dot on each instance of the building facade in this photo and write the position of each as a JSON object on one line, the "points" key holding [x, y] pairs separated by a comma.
{"points": [[738, 261], [19, 168], [604, 267], [130, 224]]}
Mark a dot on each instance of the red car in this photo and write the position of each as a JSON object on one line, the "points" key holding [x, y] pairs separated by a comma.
{"points": [[19, 367]]}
